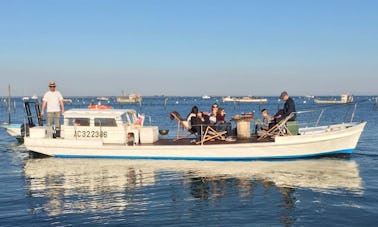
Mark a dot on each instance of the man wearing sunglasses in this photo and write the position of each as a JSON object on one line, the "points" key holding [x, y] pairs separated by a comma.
{"points": [[53, 99]]}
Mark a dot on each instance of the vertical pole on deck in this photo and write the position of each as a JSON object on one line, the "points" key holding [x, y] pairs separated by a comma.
{"points": [[9, 100]]}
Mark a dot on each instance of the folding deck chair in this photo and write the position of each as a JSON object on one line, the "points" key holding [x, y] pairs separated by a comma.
{"points": [[279, 129], [183, 128], [212, 134]]}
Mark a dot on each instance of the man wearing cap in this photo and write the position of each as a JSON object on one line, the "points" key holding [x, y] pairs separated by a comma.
{"points": [[289, 107], [54, 101]]}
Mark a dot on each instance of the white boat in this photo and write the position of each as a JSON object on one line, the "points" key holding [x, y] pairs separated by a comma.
{"points": [[67, 100], [102, 98], [206, 97], [33, 117], [118, 133], [244, 99], [132, 98], [12, 129], [228, 99], [344, 98]]}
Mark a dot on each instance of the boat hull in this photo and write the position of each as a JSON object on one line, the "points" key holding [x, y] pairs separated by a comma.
{"points": [[336, 139]]}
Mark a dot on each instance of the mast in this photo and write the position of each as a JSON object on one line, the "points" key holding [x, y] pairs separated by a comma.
{"points": [[9, 100]]}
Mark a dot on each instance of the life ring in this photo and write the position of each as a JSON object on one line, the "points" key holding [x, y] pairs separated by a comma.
{"points": [[99, 107]]}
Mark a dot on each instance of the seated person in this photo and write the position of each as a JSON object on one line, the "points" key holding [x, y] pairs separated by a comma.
{"points": [[193, 113], [197, 120], [221, 124], [289, 107], [266, 123], [213, 114]]}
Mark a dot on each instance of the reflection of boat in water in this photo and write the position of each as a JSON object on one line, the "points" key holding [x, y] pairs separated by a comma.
{"points": [[344, 98], [314, 174], [107, 181], [244, 99]]}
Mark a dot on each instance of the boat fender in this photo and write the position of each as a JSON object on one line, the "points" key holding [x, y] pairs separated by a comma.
{"points": [[130, 139]]}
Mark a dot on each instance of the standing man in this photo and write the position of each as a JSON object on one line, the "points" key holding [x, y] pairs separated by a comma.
{"points": [[289, 107], [55, 106]]}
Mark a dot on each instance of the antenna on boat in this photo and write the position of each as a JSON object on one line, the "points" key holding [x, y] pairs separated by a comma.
{"points": [[353, 113], [165, 103], [320, 115], [9, 99]]}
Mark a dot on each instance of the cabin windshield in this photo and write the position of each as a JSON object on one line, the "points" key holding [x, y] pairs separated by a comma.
{"points": [[129, 117], [105, 122]]}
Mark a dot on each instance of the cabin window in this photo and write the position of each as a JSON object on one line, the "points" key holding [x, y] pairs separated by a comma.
{"points": [[105, 122], [78, 122]]}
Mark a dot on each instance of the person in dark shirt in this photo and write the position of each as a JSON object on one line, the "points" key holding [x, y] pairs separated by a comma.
{"points": [[289, 107]]}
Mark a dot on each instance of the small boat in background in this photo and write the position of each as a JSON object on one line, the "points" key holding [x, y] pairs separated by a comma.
{"points": [[206, 97], [102, 98], [344, 98], [131, 98], [67, 100], [33, 119], [244, 99]]}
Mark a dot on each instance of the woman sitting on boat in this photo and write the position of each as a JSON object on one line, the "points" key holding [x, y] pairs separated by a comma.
{"points": [[221, 123]]}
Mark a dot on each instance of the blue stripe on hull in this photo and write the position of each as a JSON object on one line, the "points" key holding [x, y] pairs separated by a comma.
{"points": [[346, 151]]}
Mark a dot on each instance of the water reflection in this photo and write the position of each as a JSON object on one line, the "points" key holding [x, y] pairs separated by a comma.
{"points": [[96, 185]]}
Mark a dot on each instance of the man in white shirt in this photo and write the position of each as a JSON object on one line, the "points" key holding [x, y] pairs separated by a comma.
{"points": [[54, 101]]}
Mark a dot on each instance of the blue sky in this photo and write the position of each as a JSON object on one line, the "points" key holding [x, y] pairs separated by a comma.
{"points": [[180, 47]]}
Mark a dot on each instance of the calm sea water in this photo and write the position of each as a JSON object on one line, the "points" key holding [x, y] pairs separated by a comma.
{"points": [[316, 192]]}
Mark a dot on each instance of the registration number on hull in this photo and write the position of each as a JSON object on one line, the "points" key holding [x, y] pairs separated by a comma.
{"points": [[91, 134]]}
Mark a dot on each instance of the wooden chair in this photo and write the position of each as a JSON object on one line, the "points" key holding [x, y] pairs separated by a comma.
{"points": [[183, 128], [280, 129], [212, 134]]}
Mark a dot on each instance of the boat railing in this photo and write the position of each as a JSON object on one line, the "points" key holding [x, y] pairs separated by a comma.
{"points": [[313, 117]]}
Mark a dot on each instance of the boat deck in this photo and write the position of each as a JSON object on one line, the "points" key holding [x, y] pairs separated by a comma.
{"points": [[190, 141]]}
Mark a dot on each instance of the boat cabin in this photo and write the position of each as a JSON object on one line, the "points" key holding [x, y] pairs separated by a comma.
{"points": [[111, 126]]}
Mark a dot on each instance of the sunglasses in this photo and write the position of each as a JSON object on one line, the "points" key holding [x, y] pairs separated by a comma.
{"points": [[215, 107]]}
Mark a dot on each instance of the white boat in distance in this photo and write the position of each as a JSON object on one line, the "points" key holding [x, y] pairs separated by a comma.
{"points": [[102, 98], [206, 97], [344, 98], [131, 98], [244, 99], [118, 133]]}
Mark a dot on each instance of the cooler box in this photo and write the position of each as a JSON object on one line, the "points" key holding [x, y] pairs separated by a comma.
{"points": [[293, 127], [37, 132], [148, 134]]}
